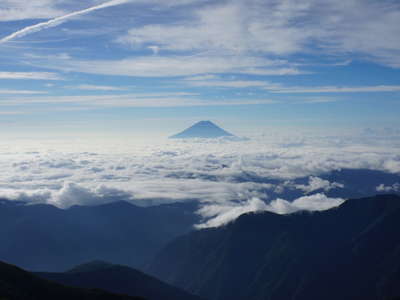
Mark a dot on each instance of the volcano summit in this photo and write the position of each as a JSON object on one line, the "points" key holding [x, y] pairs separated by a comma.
{"points": [[202, 129]]}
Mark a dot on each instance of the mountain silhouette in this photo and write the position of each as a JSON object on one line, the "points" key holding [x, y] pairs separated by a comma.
{"points": [[45, 238], [17, 284], [202, 129], [118, 279], [349, 252]]}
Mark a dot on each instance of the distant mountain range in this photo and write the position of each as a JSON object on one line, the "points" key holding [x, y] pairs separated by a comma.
{"points": [[17, 284], [118, 279], [202, 129], [349, 252], [46, 238]]}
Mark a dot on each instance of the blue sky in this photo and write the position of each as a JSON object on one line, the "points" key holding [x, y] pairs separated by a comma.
{"points": [[73, 67]]}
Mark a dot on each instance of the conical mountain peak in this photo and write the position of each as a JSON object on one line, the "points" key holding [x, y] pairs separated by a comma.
{"points": [[202, 129]]}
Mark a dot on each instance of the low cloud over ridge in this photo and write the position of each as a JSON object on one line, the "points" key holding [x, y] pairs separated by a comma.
{"points": [[280, 174], [217, 214]]}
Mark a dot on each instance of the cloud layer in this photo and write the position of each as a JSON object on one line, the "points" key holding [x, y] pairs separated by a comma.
{"points": [[227, 177], [280, 28]]}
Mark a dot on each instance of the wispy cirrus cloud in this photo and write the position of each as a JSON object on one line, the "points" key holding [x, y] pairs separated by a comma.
{"points": [[333, 89], [12, 113], [13, 10], [123, 100], [59, 20], [231, 26], [168, 66], [31, 75], [90, 87], [280, 28], [279, 88], [229, 83], [20, 92]]}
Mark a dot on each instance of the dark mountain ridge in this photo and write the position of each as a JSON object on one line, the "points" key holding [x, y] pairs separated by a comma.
{"points": [[17, 284], [349, 252], [45, 238], [118, 279]]}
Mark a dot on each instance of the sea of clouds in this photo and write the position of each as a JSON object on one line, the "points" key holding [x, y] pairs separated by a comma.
{"points": [[228, 177]]}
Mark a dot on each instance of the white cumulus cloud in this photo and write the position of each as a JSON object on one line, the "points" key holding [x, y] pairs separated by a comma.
{"points": [[218, 214], [388, 188], [316, 183]]}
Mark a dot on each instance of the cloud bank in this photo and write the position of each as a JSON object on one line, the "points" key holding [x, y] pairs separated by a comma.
{"points": [[279, 173]]}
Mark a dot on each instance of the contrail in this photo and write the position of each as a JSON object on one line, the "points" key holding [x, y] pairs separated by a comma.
{"points": [[59, 20]]}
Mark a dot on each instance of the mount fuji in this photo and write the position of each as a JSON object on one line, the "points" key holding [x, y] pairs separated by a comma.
{"points": [[202, 129]]}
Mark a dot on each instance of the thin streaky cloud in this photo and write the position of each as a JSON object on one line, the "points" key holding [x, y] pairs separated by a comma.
{"points": [[334, 89], [20, 92], [11, 113], [89, 87], [128, 100], [59, 20], [30, 75], [230, 84]]}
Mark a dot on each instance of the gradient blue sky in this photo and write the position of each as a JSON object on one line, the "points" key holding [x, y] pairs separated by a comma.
{"points": [[157, 66]]}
